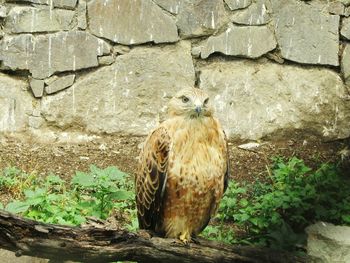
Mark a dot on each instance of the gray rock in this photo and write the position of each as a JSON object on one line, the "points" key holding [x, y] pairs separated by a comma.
{"points": [[51, 79], [106, 60], [16, 51], [347, 11], [15, 102], [120, 49], [35, 122], [60, 83], [275, 56], [82, 9], [7, 109], [36, 113], [250, 146], [345, 28], [172, 6], [70, 4], [22, 19], [135, 90], [336, 8], [44, 55], [255, 14], [201, 18], [246, 41], [37, 86], [257, 100], [131, 22], [196, 51], [345, 2], [328, 243], [3, 11], [345, 64], [238, 4], [305, 34]]}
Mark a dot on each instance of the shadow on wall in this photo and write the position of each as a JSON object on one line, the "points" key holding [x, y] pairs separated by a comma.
{"points": [[110, 66]]}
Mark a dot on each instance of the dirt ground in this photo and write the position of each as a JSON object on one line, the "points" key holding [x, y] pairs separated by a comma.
{"points": [[65, 158]]}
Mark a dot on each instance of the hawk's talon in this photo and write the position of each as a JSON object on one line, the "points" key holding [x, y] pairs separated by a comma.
{"points": [[185, 238], [179, 242]]}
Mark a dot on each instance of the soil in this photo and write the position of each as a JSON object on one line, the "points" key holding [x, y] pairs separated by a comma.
{"points": [[64, 159]]}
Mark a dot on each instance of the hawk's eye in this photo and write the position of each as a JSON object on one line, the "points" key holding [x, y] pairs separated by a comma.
{"points": [[185, 99], [206, 101]]}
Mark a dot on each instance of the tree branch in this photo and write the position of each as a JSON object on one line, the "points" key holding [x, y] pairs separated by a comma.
{"points": [[95, 244]]}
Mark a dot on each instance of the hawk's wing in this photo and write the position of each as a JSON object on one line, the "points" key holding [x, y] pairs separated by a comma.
{"points": [[151, 178], [227, 173]]}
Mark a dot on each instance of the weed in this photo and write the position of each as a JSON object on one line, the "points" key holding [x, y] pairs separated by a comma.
{"points": [[275, 213], [13, 181], [50, 200], [220, 232], [270, 213]]}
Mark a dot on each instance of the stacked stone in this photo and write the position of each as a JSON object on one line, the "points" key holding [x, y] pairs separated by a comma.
{"points": [[274, 67]]}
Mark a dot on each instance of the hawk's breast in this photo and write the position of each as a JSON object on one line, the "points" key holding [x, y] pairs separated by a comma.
{"points": [[197, 164]]}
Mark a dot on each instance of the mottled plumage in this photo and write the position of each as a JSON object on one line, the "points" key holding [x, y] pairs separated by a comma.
{"points": [[183, 169]]}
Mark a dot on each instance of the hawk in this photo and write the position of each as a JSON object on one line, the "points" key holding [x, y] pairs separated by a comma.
{"points": [[183, 169]]}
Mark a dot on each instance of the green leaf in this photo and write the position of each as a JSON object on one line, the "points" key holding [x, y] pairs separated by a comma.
{"points": [[35, 201], [242, 217], [84, 180], [114, 173], [36, 193], [254, 221], [35, 214], [346, 218], [54, 179], [122, 195], [17, 207], [243, 202], [79, 219]]}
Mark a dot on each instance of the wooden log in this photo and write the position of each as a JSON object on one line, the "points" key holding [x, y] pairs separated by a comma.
{"points": [[100, 244]]}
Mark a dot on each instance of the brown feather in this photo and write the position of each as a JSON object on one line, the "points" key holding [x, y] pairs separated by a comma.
{"points": [[151, 178], [184, 169]]}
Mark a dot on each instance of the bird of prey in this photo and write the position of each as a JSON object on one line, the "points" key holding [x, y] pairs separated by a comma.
{"points": [[183, 169]]}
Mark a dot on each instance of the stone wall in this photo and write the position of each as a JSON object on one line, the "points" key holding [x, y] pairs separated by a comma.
{"points": [[274, 68]]}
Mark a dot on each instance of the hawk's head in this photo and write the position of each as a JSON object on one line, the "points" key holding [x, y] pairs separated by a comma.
{"points": [[190, 102]]}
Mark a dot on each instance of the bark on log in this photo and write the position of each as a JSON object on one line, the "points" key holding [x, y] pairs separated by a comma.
{"points": [[94, 244]]}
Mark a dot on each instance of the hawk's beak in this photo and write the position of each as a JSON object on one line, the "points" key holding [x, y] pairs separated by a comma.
{"points": [[198, 109]]}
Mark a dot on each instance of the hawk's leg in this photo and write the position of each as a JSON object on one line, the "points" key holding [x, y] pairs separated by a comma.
{"points": [[185, 237]]}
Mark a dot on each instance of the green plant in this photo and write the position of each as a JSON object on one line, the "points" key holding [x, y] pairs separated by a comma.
{"points": [[220, 232], [96, 193], [50, 202], [101, 190], [275, 213], [13, 181], [272, 212]]}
